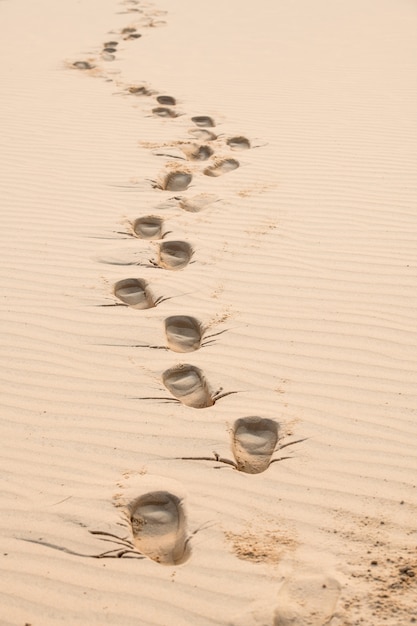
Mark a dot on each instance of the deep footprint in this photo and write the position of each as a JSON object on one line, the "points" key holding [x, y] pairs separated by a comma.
{"points": [[188, 385], [254, 441], [221, 167], [135, 293], [159, 528], [149, 227], [202, 134], [183, 333], [174, 255]]}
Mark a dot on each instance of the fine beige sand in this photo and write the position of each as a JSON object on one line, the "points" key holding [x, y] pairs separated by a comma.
{"points": [[208, 267]]}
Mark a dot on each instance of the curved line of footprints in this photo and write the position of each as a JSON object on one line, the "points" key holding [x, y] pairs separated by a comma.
{"points": [[156, 519]]}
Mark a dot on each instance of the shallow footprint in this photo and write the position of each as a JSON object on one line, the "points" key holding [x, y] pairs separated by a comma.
{"points": [[134, 292], [202, 134], [254, 440], [149, 227], [307, 601], [183, 333], [188, 384], [221, 167], [174, 255], [203, 121], [238, 143], [197, 203], [159, 527]]}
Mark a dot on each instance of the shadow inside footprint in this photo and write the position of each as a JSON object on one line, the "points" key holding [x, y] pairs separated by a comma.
{"points": [[238, 143], [134, 292], [82, 65], [183, 333], [188, 385], [149, 227], [167, 100], [221, 167], [254, 440], [203, 121], [175, 181], [159, 527], [174, 255]]}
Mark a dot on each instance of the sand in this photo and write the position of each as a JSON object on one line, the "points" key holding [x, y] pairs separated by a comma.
{"points": [[208, 267]]}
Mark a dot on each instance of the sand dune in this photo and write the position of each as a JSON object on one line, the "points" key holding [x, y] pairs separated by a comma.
{"points": [[208, 324]]}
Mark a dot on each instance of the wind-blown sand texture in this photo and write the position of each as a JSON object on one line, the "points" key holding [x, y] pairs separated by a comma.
{"points": [[209, 313]]}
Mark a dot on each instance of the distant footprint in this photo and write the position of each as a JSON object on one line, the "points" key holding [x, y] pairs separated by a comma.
{"points": [[183, 333], [254, 441], [83, 65], [194, 152], [202, 134], [203, 121], [159, 527], [238, 143], [174, 181], [166, 100], [221, 167], [174, 255], [149, 227], [134, 292], [164, 112]]}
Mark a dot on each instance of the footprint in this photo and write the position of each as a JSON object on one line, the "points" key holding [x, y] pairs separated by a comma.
{"points": [[83, 65], [159, 527], [221, 167], [188, 385], [134, 292], [167, 100], [164, 112], [183, 333], [254, 440], [175, 181], [194, 152], [238, 143], [109, 49], [203, 121], [174, 255], [110, 44], [139, 90], [202, 134], [149, 227], [307, 601], [197, 203]]}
